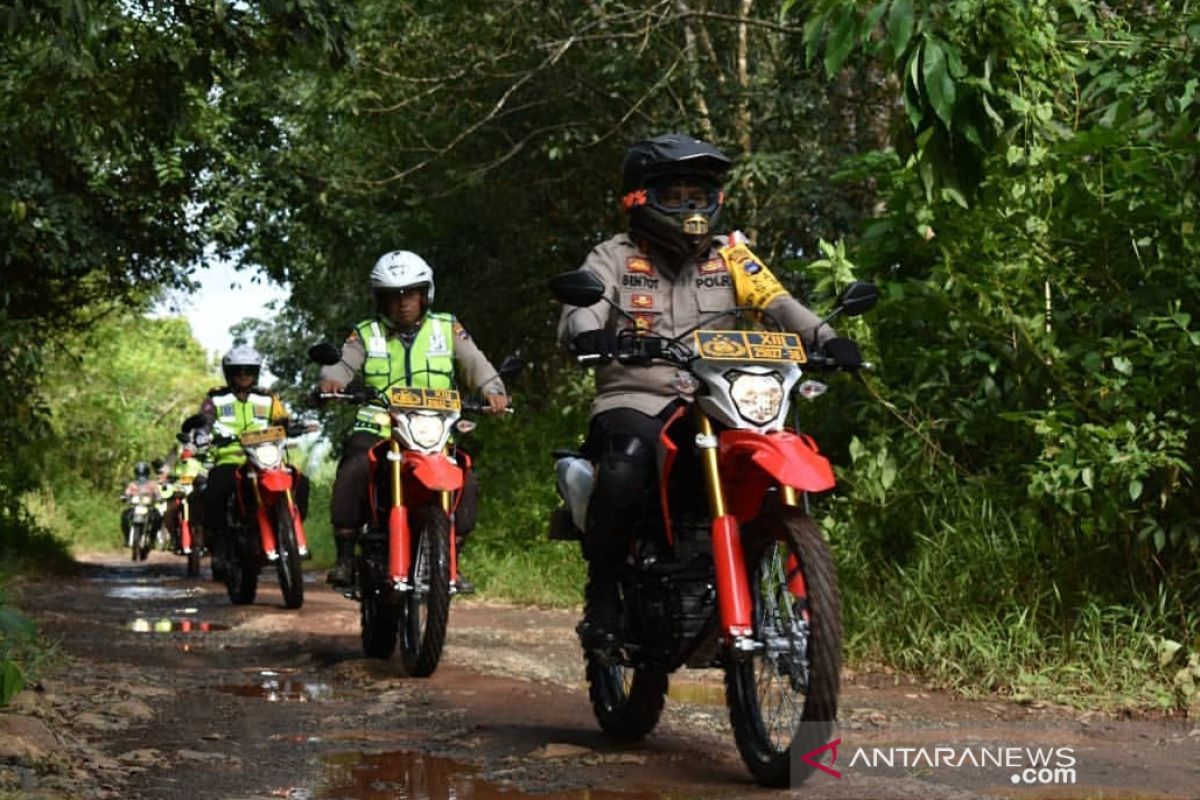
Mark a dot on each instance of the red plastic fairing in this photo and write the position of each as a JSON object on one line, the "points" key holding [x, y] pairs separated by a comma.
{"points": [[435, 472], [275, 480], [751, 462]]}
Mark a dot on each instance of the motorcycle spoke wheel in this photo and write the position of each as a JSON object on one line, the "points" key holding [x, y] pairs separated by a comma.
{"points": [[427, 605], [291, 574], [783, 698]]}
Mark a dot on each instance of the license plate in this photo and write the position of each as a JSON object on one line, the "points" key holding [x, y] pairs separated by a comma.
{"points": [[273, 434], [750, 346], [426, 399]]}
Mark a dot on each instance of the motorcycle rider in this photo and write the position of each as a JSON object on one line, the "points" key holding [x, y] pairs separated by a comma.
{"points": [[140, 485], [404, 332], [229, 411], [667, 273]]}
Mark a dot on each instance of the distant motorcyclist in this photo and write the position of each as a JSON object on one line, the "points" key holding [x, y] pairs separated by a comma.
{"points": [[227, 412], [404, 344], [141, 486]]}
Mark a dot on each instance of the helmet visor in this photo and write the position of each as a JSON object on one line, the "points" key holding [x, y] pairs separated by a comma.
{"points": [[685, 195]]}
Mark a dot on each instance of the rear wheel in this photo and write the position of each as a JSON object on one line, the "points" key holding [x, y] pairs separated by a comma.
{"points": [[380, 625], [427, 605], [783, 698], [291, 576], [627, 702]]}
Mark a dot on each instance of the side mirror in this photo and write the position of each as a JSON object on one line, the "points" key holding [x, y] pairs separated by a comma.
{"points": [[192, 422], [858, 298], [577, 288], [325, 354], [182, 438], [510, 367]]}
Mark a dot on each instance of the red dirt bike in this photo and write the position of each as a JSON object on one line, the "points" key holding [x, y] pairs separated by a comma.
{"points": [[735, 574], [406, 565], [263, 521], [184, 536]]}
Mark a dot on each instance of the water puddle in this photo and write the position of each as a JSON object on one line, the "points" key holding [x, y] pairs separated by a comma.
{"points": [[405, 775], [143, 592], [277, 689], [168, 625], [702, 694]]}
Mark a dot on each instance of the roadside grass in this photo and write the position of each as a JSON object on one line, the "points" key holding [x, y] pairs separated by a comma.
{"points": [[977, 606]]}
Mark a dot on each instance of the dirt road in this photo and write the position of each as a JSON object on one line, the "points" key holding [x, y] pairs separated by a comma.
{"points": [[168, 691]]}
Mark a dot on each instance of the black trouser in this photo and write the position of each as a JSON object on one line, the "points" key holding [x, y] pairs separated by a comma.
{"points": [[623, 444], [348, 506], [222, 483]]}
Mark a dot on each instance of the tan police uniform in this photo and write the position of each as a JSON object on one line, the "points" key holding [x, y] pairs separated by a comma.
{"points": [[728, 275]]}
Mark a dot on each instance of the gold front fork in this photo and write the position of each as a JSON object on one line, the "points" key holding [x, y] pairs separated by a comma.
{"points": [[708, 458], [789, 496]]}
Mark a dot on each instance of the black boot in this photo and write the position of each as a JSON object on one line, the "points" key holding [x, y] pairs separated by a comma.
{"points": [[342, 575], [600, 630], [462, 584]]}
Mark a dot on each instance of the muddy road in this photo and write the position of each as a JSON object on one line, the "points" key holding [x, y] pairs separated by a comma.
{"points": [[165, 690]]}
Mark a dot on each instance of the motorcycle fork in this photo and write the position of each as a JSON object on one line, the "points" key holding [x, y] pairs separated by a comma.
{"points": [[297, 525], [185, 526], [733, 590], [448, 507], [399, 557], [266, 533]]}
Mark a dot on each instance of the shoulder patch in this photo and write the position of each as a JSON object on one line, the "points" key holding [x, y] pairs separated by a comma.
{"points": [[753, 283], [461, 332], [353, 336]]}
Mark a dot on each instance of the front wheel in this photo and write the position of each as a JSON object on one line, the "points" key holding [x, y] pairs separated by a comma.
{"points": [[291, 577], [427, 604], [783, 698]]}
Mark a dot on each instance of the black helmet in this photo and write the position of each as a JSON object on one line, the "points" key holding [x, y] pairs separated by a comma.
{"points": [[141, 471], [651, 167]]}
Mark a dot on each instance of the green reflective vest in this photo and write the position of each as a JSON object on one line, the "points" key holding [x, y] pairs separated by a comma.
{"points": [[427, 363], [235, 417]]}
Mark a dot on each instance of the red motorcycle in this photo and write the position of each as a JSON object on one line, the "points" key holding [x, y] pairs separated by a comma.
{"points": [[264, 523], [407, 565], [735, 573]]}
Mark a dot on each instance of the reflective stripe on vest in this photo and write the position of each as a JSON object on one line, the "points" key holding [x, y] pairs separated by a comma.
{"points": [[235, 417], [427, 363]]}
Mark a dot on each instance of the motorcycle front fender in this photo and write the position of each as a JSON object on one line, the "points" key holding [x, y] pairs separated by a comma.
{"points": [[434, 472], [789, 459], [275, 480]]}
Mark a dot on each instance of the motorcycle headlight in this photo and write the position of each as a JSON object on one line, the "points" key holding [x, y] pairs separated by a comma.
{"points": [[426, 429], [268, 455], [757, 398], [142, 500]]}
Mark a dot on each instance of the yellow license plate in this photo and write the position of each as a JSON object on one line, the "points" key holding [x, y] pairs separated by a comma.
{"points": [[750, 346], [427, 399], [273, 434], [184, 480]]}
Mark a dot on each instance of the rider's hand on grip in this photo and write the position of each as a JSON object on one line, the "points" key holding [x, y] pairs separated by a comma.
{"points": [[843, 353], [599, 342]]}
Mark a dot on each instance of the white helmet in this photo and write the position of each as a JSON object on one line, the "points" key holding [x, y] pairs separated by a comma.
{"points": [[242, 355], [401, 269]]}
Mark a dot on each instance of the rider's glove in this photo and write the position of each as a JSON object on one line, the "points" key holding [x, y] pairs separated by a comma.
{"points": [[598, 342], [843, 352]]}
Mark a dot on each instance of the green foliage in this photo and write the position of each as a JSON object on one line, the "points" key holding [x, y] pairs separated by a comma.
{"points": [[509, 554], [115, 395], [16, 633]]}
